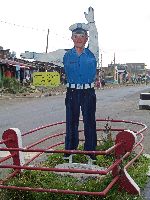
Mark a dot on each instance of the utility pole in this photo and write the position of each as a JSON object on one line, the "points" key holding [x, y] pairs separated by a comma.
{"points": [[114, 60], [101, 61], [100, 70], [47, 40], [115, 69], [99, 73]]}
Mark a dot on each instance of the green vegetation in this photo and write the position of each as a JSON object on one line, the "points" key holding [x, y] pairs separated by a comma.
{"points": [[12, 86], [39, 179]]}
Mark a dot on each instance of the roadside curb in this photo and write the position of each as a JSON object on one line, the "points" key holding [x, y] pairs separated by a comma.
{"points": [[3, 97], [55, 93], [52, 93]]}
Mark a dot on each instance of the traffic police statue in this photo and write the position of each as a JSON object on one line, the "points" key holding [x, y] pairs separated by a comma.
{"points": [[80, 65]]}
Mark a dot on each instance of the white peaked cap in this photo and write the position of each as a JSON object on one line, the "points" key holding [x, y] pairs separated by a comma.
{"points": [[79, 26]]}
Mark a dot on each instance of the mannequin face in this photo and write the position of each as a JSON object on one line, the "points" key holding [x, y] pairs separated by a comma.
{"points": [[79, 40]]}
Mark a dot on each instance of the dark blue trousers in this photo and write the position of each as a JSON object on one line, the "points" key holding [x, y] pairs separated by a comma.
{"points": [[86, 100]]}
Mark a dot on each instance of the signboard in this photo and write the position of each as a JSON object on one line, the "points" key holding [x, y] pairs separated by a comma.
{"points": [[51, 79]]}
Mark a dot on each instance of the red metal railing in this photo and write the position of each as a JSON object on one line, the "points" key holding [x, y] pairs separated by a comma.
{"points": [[125, 143]]}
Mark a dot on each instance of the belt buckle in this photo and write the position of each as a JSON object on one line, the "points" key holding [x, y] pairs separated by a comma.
{"points": [[80, 86]]}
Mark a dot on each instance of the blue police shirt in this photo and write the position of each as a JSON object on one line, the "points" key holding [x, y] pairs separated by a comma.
{"points": [[80, 69]]}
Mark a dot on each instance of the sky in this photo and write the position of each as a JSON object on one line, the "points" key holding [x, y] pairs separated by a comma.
{"points": [[123, 27]]}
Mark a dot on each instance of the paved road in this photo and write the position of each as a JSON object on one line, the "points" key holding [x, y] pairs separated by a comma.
{"points": [[117, 103]]}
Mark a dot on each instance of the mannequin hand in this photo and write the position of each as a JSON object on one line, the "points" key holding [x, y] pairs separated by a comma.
{"points": [[90, 15]]}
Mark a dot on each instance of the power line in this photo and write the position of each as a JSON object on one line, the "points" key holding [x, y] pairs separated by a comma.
{"points": [[21, 26], [33, 28]]}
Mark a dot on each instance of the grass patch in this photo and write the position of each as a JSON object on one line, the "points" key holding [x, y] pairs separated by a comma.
{"points": [[39, 179]]}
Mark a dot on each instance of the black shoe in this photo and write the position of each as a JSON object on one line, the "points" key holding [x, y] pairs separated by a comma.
{"points": [[93, 157], [66, 156]]}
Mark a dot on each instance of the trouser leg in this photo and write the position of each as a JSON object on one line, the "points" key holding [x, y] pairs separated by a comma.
{"points": [[72, 119], [88, 110]]}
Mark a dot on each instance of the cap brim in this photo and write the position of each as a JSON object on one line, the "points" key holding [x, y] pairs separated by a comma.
{"points": [[79, 31]]}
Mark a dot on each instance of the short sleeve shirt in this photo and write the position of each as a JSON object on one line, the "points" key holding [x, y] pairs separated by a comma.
{"points": [[80, 69]]}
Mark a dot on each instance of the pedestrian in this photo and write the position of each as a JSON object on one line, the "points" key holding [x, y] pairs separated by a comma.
{"points": [[103, 83], [80, 69]]}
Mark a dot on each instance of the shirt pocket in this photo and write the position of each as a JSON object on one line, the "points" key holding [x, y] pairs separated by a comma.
{"points": [[72, 66], [90, 65]]}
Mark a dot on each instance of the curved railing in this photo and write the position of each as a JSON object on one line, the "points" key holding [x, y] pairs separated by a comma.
{"points": [[127, 136]]}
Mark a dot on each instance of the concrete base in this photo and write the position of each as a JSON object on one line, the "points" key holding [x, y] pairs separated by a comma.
{"points": [[81, 167]]}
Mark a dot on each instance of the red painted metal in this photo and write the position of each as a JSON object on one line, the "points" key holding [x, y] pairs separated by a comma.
{"points": [[127, 139], [102, 193], [11, 141], [124, 144]]}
